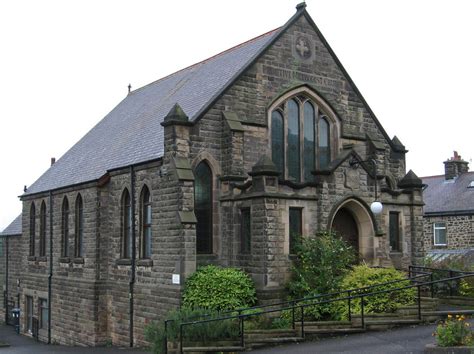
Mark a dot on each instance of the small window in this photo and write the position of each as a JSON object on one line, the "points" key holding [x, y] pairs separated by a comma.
{"points": [[79, 228], [43, 313], [126, 225], [439, 231], [42, 238], [296, 227], [32, 229], [65, 228], [245, 231], [203, 208], [146, 223], [394, 231]]}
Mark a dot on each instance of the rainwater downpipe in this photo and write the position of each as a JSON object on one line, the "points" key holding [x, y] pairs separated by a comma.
{"points": [[6, 279], [132, 270], [50, 275]]}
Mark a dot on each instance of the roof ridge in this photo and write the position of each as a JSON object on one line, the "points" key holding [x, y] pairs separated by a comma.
{"points": [[207, 59]]}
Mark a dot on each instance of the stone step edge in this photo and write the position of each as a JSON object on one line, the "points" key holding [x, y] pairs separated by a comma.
{"points": [[214, 349]]}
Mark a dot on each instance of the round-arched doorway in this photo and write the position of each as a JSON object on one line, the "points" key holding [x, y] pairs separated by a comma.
{"points": [[352, 220], [345, 225]]}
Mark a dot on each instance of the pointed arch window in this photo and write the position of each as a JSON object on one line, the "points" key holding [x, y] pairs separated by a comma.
{"points": [[146, 223], [126, 225], [203, 208], [79, 228], [65, 228], [32, 229], [42, 235], [300, 138]]}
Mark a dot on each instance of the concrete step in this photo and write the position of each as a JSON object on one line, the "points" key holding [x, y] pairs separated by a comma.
{"points": [[325, 324], [213, 349], [335, 331]]}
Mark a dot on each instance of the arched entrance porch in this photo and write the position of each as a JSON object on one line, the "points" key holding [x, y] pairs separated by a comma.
{"points": [[353, 221]]}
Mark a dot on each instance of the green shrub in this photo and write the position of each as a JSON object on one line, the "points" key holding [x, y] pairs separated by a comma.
{"points": [[205, 332], [219, 289], [363, 276], [318, 268], [454, 332]]}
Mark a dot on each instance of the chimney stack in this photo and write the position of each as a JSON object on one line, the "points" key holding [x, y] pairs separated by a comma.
{"points": [[53, 161], [455, 166]]}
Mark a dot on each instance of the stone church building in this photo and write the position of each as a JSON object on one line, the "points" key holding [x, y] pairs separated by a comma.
{"points": [[223, 162]]}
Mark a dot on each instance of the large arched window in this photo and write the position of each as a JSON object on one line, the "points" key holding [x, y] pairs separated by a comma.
{"points": [[126, 225], [42, 235], [32, 229], [145, 223], [65, 228], [203, 208], [79, 228], [300, 138]]}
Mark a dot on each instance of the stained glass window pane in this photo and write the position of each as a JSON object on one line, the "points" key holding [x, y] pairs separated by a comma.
{"points": [[323, 143], [126, 225], [32, 229], [295, 224], [309, 135], [146, 224], [42, 239], [394, 231], [293, 151], [278, 142], [65, 228], [203, 208]]}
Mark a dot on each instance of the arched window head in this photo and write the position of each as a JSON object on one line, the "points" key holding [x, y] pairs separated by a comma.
{"points": [[79, 228], [32, 229], [203, 208], [126, 207], [42, 236], [300, 138], [145, 223], [65, 228]]}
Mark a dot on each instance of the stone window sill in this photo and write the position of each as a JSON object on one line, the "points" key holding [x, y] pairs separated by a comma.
{"points": [[78, 260], [42, 259], [145, 262], [124, 261], [64, 260], [32, 258]]}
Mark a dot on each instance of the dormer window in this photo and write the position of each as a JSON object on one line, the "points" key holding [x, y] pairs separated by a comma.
{"points": [[301, 134]]}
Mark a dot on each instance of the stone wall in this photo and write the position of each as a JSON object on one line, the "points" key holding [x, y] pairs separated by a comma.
{"points": [[459, 232]]}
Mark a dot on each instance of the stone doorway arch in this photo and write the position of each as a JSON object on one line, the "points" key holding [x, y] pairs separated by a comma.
{"points": [[352, 219]]}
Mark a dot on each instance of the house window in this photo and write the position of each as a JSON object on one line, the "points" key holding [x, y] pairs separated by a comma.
{"points": [[126, 225], [43, 313], [394, 231], [146, 223], [79, 228], [245, 231], [42, 238], [32, 229], [203, 208], [439, 231], [29, 314], [65, 228], [300, 141], [296, 227]]}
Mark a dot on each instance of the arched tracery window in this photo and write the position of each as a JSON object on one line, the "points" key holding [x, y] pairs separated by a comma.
{"points": [[145, 223], [300, 138]]}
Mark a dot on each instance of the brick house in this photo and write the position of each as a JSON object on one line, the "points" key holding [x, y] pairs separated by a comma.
{"points": [[449, 208], [222, 162]]}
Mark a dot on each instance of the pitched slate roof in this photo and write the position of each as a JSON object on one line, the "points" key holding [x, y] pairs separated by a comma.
{"points": [[131, 133], [14, 229], [453, 196]]}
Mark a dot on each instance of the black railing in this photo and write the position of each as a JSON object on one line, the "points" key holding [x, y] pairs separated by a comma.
{"points": [[360, 293]]}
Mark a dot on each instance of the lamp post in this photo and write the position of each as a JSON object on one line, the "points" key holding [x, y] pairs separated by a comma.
{"points": [[376, 207]]}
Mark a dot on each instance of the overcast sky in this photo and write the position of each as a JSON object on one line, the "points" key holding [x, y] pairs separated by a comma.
{"points": [[65, 64]]}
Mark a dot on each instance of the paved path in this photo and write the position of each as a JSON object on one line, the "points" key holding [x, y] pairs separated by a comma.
{"points": [[400, 340], [20, 344]]}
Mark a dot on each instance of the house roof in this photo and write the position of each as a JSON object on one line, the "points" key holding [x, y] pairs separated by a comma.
{"points": [[455, 196], [14, 229], [131, 133]]}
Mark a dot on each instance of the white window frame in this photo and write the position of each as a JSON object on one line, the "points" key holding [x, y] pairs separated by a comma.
{"points": [[439, 226]]}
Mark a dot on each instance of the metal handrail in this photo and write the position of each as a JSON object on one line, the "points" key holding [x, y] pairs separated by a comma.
{"points": [[242, 316]]}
